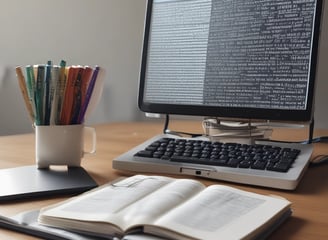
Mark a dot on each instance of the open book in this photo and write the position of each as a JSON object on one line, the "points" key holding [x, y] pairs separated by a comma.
{"points": [[170, 208]]}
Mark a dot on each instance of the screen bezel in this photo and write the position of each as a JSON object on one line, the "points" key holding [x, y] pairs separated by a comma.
{"points": [[305, 115]]}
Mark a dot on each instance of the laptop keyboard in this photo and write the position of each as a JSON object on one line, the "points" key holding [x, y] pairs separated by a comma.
{"points": [[234, 155]]}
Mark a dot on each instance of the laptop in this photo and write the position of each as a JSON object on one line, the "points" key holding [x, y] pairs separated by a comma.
{"points": [[244, 61]]}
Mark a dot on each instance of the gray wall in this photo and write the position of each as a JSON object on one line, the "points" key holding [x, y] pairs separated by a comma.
{"points": [[89, 32]]}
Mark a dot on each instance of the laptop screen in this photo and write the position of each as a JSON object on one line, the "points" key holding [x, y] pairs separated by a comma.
{"points": [[230, 58]]}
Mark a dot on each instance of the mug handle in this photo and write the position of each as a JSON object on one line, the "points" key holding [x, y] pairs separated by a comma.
{"points": [[92, 131]]}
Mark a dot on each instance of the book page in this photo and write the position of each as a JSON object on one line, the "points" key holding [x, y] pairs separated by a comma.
{"points": [[221, 212], [148, 209], [103, 202]]}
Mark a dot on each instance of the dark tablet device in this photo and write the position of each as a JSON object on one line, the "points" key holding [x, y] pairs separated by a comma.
{"points": [[30, 182]]}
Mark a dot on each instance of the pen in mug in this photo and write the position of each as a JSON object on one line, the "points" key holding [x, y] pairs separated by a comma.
{"points": [[39, 95], [23, 88], [88, 94], [60, 90], [77, 98], [30, 85], [54, 94], [47, 97]]}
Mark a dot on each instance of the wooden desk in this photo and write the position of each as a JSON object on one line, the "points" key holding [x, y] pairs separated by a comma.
{"points": [[310, 199]]}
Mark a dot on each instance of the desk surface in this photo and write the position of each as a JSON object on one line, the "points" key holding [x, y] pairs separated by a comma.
{"points": [[309, 200]]}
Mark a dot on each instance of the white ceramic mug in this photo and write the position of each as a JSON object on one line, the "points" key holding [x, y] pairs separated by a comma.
{"points": [[62, 144]]}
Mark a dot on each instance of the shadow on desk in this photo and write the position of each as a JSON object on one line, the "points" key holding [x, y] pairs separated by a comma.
{"points": [[314, 174], [289, 228]]}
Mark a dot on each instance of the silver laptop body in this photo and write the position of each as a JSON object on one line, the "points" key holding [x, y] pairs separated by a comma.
{"points": [[286, 180]]}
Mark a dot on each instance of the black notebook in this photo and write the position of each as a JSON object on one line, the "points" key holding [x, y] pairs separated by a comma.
{"points": [[29, 181]]}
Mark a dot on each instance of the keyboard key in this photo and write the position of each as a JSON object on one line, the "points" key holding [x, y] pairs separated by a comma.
{"points": [[145, 153]]}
